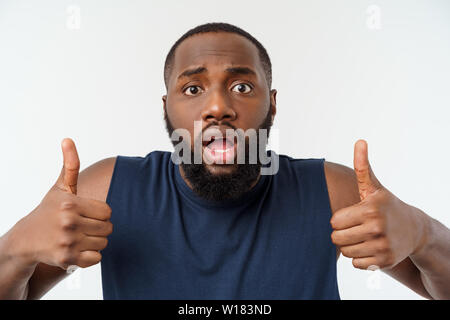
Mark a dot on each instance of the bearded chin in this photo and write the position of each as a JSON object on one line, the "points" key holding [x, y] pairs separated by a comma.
{"points": [[225, 186]]}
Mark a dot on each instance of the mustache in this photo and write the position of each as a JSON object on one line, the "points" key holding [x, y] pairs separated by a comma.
{"points": [[214, 124], [223, 123], [170, 127]]}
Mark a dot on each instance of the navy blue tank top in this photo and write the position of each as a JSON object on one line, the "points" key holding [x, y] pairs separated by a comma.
{"points": [[168, 243]]}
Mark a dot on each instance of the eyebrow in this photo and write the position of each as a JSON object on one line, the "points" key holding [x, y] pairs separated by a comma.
{"points": [[241, 70], [191, 72], [233, 70]]}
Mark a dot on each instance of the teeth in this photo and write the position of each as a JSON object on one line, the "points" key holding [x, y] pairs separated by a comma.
{"points": [[223, 151]]}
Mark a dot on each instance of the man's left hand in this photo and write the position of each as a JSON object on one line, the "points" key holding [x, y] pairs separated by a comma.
{"points": [[381, 230]]}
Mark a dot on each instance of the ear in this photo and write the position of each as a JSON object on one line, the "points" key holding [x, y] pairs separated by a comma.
{"points": [[273, 102], [164, 99]]}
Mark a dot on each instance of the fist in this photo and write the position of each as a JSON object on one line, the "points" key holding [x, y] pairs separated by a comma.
{"points": [[381, 230], [66, 229]]}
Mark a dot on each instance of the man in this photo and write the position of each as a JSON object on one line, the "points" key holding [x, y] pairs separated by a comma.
{"points": [[220, 229]]}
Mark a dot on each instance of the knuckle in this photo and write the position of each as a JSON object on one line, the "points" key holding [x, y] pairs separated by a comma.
{"points": [[356, 263], [68, 222], [98, 258], [66, 241], [359, 264], [64, 258], [334, 237], [345, 252], [376, 229], [369, 215], [333, 222], [93, 258], [67, 204], [371, 211], [338, 217]]}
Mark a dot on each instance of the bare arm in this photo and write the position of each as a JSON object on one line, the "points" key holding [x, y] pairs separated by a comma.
{"points": [[433, 259], [20, 276], [343, 192]]}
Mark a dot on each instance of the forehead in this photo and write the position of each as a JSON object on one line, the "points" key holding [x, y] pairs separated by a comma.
{"points": [[216, 49]]}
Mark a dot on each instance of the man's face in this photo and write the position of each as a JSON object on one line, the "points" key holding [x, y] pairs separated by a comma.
{"points": [[217, 77]]}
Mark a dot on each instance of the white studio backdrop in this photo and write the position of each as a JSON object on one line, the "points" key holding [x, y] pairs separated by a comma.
{"points": [[344, 70]]}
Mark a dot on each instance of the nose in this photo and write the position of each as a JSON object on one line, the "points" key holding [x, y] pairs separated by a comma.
{"points": [[218, 107]]}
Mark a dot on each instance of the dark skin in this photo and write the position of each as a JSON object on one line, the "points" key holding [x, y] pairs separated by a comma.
{"points": [[219, 67], [370, 224]]}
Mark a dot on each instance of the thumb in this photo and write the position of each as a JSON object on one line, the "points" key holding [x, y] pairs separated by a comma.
{"points": [[69, 174], [367, 182]]}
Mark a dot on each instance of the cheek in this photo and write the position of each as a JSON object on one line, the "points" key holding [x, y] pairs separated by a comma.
{"points": [[180, 117], [183, 112], [252, 117]]}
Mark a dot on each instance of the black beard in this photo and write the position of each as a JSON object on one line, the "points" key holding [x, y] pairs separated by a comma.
{"points": [[219, 187]]}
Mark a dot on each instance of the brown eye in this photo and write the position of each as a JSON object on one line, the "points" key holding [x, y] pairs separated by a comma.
{"points": [[192, 90], [242, 88]]}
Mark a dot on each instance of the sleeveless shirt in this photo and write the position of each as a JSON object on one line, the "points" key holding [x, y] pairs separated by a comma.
{"points": [[274, 242]]}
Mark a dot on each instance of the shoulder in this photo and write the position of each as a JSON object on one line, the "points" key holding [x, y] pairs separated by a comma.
{"points": [[342, 185], [340, 180], [94, 181], [301, 165], [129, 167], [153, 158]]}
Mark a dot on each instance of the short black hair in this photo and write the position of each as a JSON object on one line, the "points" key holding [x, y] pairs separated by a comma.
{"points": [[219, 27]]}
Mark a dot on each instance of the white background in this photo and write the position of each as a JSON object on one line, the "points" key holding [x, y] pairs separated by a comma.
{"points": [[341, 75]]}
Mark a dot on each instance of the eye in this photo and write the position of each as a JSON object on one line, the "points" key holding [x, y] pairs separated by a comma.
{"points": [[242, 88], [192, 90]]}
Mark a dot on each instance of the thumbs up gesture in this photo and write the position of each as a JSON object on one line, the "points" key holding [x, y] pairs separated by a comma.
{"points": [[65, 229], [380, 231]]}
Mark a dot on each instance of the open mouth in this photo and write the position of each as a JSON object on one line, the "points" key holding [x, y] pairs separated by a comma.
{"points": [[219, 150]]}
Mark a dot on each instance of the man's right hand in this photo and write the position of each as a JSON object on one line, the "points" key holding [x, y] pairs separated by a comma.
{"points": [[65, 229]]}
